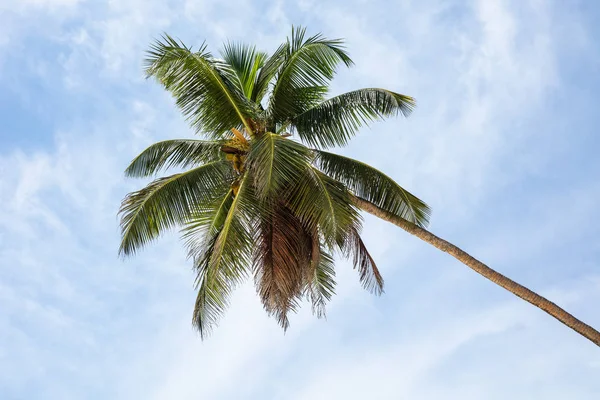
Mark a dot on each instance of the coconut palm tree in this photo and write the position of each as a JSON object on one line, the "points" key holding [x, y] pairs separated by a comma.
{"points": [[261, 196]]}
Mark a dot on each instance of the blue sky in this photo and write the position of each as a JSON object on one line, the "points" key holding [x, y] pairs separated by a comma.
{"points": [[502, 146]]}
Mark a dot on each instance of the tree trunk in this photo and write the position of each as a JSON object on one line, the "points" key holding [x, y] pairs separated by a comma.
{"points": [[482, 269]]}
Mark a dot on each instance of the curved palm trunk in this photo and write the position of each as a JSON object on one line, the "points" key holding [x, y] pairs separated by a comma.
{"points": [[482, 269]]}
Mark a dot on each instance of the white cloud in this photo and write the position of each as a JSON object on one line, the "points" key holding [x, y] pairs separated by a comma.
{"points": [[18, 17], [44, 4]]}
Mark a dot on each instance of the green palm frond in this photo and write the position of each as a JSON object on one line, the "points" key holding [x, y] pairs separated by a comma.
{"points": [[267, 74], [226, 259], [232, 250], [321, 278], [182, 153], [167, 202], [246, 62], [308, 66], [276, 163], [324, 204], [207, 220], [213, 294], [201, 86], [369, 274], [372, 185], [336, 120]]}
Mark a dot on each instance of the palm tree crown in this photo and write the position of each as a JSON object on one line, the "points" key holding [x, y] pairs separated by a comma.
{"points": [[252, 200]]}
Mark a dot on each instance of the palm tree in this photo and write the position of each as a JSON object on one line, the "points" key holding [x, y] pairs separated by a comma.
{"points": [[252, 201]]}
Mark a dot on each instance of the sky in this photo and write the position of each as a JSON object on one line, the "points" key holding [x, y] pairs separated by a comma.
{"points": [[503, 146]]}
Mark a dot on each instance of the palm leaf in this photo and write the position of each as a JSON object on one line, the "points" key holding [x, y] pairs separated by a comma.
{"points": [[369, 274], [246, 62], [167, 202], [267, 73], [232, 250], [224, 263], [308, 66], [208, 220], [372, 185], [321, 278], [324, 204], [213, 294], [201, 86], [281, 255], [276, 163], [180, 153], [334, 121]]}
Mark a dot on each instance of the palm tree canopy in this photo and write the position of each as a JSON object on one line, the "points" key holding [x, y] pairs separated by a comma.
{"points": [[259, 195]]}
